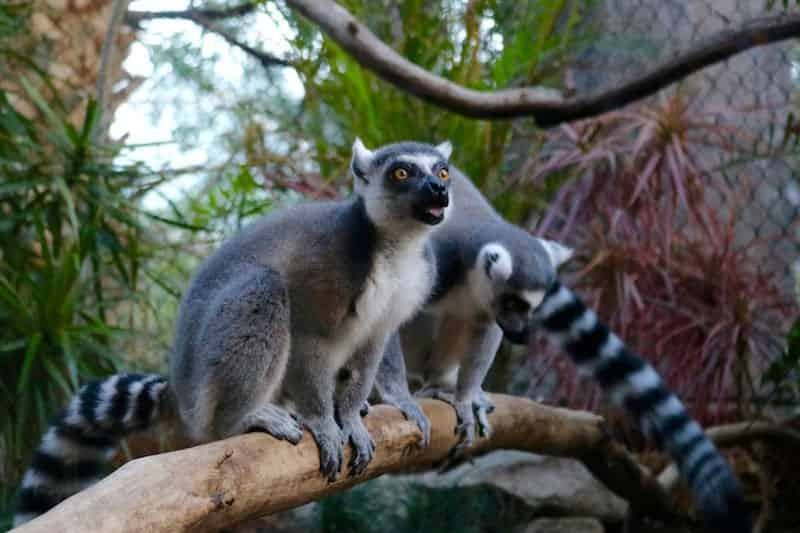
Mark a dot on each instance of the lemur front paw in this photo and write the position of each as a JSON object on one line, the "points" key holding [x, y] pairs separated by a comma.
{"points": [[465, 428], [276, 421], [366, 408], [354, 429], [483, 406], [330, 441], [472, 414], [412, 412]]}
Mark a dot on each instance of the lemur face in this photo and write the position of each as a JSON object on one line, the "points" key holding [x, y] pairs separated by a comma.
{"points": [[404, 180], [514, 289]]}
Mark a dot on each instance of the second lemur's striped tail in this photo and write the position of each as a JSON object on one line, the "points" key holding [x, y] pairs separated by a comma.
{"points": [[84, 437], [633, 384]]}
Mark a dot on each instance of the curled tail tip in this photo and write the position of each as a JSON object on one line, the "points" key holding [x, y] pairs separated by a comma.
{"points": [[722, 505]]}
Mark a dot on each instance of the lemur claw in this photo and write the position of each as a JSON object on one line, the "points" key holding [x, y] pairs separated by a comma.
{"points": [[329, 440], [362, 443], [471, 415], [412, 412]]}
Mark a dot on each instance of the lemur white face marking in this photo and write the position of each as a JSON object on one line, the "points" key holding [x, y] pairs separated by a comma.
{"points": [[534, 298], [422, 185]]}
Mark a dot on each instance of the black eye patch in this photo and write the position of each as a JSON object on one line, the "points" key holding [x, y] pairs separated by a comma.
{"points": [[514, 304], [412, 169]]}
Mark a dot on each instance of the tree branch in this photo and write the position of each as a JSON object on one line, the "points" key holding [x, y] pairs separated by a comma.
{"points": [[223, 483], [736, 435], [545, 105], [103, 85], [134, 17], [206, 18]]}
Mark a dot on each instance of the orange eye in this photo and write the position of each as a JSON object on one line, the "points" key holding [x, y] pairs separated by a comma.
{"points": [[444, 174], [400, 174]]}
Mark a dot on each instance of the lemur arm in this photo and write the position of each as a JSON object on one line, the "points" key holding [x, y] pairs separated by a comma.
{"points": [[351, 394], [391, 385]]}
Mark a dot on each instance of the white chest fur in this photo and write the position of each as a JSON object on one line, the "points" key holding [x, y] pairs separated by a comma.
{"points": [[398, 285]]}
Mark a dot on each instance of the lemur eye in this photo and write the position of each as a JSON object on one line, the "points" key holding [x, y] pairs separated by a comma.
{"points": [[444, 173], [400, 174]]}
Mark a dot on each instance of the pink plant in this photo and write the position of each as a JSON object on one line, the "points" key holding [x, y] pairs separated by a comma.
{"points": [[659, 257]]}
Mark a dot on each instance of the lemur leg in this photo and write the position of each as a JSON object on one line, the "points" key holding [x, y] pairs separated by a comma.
{"points": [[310, 383], [470, 398], [473, 345], [442, 363], [391, 384], [357, 380], [246, 340]]}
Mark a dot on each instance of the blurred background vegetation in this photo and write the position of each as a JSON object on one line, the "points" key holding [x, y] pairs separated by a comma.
{"points": [[102, 222]]}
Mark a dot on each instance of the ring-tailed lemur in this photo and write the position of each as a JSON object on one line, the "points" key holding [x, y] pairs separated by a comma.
{"points": [[297, 308], [496, 280]]}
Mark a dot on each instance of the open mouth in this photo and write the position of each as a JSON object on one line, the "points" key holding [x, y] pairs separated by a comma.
{"points": [[431, 215]]}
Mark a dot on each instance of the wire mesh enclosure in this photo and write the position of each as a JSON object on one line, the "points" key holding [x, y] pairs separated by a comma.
{"points": [[752, 96], [684, 209]]}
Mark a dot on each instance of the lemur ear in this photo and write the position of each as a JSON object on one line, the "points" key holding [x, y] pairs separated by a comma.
{"points": [[445, 148], [558, 253], [362, 158], [497, 262]]}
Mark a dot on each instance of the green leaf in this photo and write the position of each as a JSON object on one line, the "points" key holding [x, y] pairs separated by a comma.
{"points": [[31, 354]]}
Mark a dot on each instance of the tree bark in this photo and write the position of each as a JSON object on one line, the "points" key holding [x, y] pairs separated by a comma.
{"points": [[223, 483]]}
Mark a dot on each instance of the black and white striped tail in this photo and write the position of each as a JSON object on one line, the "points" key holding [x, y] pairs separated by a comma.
{"points": [[84, 437], [633, 384]]}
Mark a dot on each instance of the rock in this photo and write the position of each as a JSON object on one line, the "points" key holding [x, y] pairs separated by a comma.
{"points": [[565, 525], [298, 520], [548, 485]]}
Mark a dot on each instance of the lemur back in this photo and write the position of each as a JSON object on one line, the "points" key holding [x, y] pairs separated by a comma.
{"points": [[296, 310]]}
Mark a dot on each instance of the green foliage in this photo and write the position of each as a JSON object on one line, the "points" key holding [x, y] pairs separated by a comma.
{"points": [[490, 45], [308, 128], [71, 249], [74, 252], [784, 373]]}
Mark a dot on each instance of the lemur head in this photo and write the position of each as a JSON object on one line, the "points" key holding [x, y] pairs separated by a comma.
{"points": [[403, 180], [511, 285]]}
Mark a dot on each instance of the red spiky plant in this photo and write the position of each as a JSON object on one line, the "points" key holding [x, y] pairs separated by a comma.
{"points": [[659, 257]]}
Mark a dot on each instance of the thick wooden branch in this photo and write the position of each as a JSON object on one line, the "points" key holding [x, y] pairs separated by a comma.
{"points": [[545, 105], [223, 483]]}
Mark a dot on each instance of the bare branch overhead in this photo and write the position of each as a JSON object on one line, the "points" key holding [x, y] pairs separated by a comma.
{"points": [[208, 18], [545, 105], [220, 484], [134, 17]]}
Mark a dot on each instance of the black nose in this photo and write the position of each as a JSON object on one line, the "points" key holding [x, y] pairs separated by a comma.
{"points": [[436, 187], [438, 191]]}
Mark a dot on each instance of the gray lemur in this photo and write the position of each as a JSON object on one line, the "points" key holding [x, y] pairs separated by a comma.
{"points": [[496, 280], [295, 310]]}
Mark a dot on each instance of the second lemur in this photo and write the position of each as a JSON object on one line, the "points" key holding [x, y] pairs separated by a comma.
{"points": [[496, 280]]}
